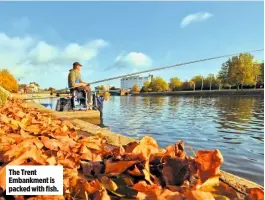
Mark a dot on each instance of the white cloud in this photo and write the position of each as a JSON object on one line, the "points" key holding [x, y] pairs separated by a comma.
{"points": [[35, 60], [133, 59], [195, 17]]}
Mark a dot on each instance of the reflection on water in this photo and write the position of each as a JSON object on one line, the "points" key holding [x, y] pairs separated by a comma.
{"points": [[234, 125]]}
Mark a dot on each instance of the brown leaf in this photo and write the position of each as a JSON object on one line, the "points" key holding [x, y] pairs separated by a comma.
{"points": [[47, 198], [146, 147], [117, 167], [101, 195], [199, 195], [175, 171], [154, 192], [255, 194], [209, 163], [5, 119], [130, 147], [135, 171], [51, 144]]}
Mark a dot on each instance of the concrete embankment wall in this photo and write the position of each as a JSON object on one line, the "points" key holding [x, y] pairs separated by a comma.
{"points": [[85, 127], [247, 92]]}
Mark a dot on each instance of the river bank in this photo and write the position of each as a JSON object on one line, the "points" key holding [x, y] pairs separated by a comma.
{"points": [[118, 140], [244, 92]]}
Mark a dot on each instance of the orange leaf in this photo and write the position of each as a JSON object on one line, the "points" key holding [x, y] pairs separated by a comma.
{"points": [[117, 167], [35, 129], [51, 144], [209, 163], [146, 147], [255, 194], [199, 195], [47, 198]]}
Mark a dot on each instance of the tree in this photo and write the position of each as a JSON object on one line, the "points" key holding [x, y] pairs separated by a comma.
{"points": [[218, 82], [241, 70], [198, 81], [192, 84], [135, 88], [158, 85], [146, 87], [52, 90], [101, 88], [262, 72], [223, 74], [211, 82], [259, 79], [8, 81], [175, 84]]}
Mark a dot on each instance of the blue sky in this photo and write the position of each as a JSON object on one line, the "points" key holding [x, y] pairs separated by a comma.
{"points": [[39, 41]]}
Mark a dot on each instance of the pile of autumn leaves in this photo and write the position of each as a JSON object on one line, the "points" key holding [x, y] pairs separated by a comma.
{"points": [[96, 170]]}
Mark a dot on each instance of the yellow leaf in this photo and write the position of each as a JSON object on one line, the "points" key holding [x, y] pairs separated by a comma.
{"points": [[109, 184], [208, 185], [14, 124]]}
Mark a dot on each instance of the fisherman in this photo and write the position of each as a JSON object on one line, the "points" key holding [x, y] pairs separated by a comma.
{"points": [[75, 81]]}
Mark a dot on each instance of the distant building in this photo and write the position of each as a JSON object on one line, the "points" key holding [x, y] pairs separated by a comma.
{"points": [[128, 82], [33, 87]]}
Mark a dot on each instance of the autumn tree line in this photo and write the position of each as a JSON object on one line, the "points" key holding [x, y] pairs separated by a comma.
{"points": [[237, 72]]}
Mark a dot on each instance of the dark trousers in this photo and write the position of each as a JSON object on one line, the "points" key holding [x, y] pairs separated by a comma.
{"points": [[87, 91]]}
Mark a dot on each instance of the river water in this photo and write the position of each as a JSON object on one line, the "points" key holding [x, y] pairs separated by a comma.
{"points": [[234, 125]]}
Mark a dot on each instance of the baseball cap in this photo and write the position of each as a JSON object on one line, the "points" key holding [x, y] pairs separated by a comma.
{"points": [[77, 64]]}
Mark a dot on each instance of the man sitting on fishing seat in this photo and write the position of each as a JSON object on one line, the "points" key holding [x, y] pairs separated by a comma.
{"points": [[76, 83]]}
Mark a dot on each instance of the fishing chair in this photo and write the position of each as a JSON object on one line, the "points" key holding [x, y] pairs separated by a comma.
{"points": [[79, 99]]}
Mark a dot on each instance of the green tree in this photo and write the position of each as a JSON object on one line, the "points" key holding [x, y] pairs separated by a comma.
{"points": [[175, 84], [158, 85], [259, 79], [198, 81], [211, 82], [242, 71], [223, 74], [135, 88]]}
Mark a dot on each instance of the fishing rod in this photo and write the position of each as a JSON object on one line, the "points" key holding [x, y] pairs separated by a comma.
{"points": [[171, 66]]}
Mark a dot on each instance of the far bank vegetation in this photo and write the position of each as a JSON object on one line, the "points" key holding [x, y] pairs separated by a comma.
{"points": [[237, 72]]}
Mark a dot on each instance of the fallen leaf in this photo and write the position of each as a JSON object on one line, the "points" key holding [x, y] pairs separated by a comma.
{"points": [[199, 195], [255, 194], [209, 163], [146, 147], [117, 167]]}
